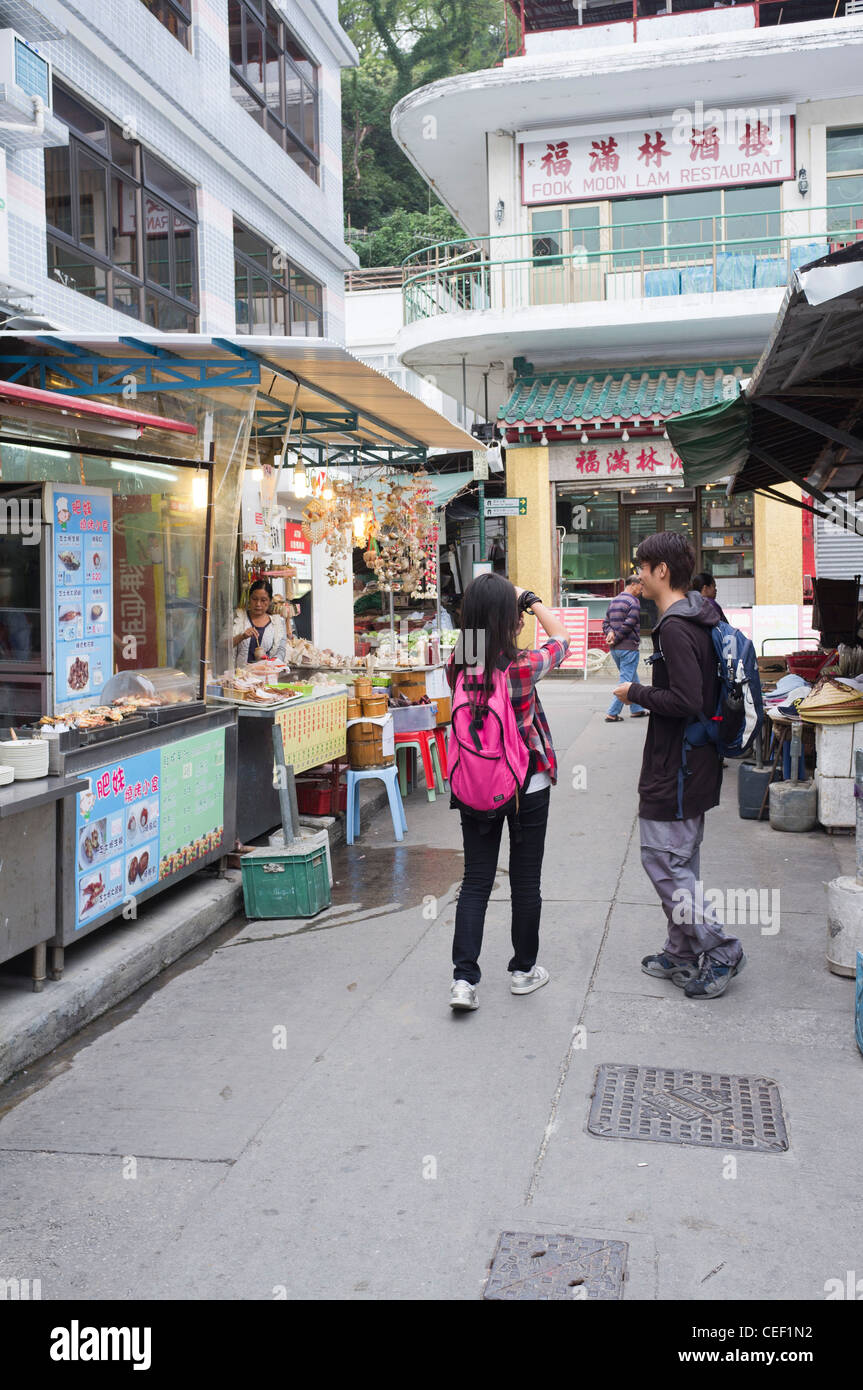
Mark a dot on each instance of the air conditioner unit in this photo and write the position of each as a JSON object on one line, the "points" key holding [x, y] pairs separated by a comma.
{"points": [[22, 66]]}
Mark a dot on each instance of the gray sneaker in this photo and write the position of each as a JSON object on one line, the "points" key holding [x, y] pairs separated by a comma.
{"points": [[713, 980], [663, 967], [526, 981], [463, 995]]}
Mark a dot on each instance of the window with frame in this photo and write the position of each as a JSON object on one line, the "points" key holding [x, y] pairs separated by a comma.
{"points": [[122, 225], [176, 15], [275, 80], [274, 297], [845, 183]]}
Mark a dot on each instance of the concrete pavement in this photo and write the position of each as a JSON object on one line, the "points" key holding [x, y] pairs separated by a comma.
{"points": [[297, 1111]]}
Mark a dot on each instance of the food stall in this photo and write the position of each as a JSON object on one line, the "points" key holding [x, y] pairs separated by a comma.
{"points": [[296, 407], [124, 779]]}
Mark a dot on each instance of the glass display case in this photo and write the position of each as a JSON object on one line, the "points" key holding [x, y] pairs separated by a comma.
{"points": [[102, 570]]}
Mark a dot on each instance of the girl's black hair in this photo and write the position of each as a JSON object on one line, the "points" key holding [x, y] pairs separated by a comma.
{"points": [[489, 631], [261, 584], [701, 581]]}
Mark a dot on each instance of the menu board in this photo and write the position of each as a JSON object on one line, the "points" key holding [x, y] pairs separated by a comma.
{"points": [[81, 594], [117, 835], [144, 818], [193, 796]]}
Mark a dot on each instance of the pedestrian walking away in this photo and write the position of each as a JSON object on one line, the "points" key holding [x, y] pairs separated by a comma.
{"points": [[698, 956], [622, 628], [502, 767]]}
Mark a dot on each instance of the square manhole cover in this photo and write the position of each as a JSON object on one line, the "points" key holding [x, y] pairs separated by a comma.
{"points": [[687, 1107], [551, 1267]]}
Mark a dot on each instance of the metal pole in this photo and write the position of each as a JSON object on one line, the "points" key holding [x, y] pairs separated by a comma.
{"points": [[480, 488], [392, 626]]}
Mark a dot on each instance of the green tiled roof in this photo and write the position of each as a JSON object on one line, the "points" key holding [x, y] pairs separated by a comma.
{"points": [[556, 398]]}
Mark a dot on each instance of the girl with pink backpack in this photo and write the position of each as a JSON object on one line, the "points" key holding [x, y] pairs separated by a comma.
{"points": [[501, 768]]}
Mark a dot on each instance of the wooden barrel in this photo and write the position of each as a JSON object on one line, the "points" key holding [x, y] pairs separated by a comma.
{"points": [[365, 746], [362, 687], [355, 709], [374, 706], [411, 684]]}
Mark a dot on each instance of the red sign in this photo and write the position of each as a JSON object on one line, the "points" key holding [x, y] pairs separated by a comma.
{"points": [[298, 550], [575, 622]]}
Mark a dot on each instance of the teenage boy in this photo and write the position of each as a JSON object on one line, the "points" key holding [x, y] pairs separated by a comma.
{"points": [[697, 955], [622, 628]]}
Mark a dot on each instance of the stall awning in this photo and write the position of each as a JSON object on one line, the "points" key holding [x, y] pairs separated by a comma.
{"points": [[326, 395], [564, 399], [444, 486], [798, 419]]}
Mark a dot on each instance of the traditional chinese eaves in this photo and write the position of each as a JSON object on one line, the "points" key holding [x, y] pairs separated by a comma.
{"points": [[656, 393]]}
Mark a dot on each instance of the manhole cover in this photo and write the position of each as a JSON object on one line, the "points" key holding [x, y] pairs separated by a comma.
{"points": [[688, 1107], [570, 1267]]}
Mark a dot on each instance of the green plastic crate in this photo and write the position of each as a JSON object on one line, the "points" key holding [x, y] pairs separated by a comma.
{"points": [[291, 882]]}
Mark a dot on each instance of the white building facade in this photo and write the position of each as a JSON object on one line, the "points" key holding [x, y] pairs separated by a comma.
{"points": [[180, 167], [637, 183]]}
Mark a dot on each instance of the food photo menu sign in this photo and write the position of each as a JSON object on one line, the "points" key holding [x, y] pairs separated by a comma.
{"points": [[81, 594], [144, 818]]}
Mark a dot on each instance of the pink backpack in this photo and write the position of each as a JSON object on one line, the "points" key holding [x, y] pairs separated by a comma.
{"points": [[488, 759]]}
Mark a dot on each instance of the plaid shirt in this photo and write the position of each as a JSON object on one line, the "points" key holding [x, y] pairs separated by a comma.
{"points": [[528, 668]]}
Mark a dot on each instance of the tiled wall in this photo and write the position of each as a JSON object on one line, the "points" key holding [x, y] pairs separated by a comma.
{"points": [[118, 57]]}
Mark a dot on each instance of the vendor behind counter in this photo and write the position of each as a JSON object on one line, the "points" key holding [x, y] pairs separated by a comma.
{"points": [[259, 634]]}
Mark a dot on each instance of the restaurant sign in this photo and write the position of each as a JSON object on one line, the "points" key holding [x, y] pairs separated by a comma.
{"points": [[640, 460], [691, 149]]}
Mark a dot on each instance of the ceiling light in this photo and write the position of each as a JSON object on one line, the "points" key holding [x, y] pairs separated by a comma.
{"points": [[145, 472], [200, 490], [584, 438], [37, 449], [257, 474], [625, 436], [300, 484]]}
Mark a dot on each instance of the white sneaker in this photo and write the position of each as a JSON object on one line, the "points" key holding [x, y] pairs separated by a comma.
{"points": [[463, 995], [525, 982]]}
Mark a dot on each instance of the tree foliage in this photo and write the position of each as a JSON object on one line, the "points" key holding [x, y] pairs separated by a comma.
{"points": [[403, 44]]}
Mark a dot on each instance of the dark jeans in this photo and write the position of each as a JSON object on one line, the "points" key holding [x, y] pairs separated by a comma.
{"points": [[481, 849]]}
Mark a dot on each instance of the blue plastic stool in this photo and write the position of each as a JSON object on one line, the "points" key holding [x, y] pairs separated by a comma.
{"points": [[387, 775]]}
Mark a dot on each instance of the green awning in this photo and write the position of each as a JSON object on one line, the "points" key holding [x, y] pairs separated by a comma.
{"points": [[713, 443]]}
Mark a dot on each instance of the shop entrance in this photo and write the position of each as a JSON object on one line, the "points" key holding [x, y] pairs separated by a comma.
{"points": [[644, 521]]}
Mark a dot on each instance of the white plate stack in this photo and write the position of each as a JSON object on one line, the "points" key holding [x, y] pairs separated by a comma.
{"points": [[28, 757], [7, 775]]}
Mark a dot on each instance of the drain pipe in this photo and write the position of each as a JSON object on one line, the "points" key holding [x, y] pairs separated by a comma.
{"points": [[34, 127]]}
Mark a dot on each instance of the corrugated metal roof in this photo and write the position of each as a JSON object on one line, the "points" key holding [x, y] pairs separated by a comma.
{"points": [[640, 394]]}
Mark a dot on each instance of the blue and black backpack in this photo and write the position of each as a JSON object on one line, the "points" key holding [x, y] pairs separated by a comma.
{"points": [[739, 705]]}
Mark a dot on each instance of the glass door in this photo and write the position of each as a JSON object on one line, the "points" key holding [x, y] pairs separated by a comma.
{"points": [[563, 245]]}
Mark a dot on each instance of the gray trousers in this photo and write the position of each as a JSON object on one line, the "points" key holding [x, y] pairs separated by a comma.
{"points": [[670, 854]]}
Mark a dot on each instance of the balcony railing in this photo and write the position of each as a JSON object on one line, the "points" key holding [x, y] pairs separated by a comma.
{"points": [[634, 260]]}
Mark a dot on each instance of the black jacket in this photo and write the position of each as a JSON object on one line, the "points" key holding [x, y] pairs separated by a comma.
{"points": [[685, 680]]}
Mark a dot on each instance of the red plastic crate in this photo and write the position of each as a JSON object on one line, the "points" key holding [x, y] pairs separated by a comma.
{"points": [[317, 797]]}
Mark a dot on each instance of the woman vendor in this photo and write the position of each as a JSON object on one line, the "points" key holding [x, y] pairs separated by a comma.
{"points": [[258, 633]]}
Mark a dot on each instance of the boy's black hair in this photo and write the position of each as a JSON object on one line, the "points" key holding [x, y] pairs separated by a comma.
{"points": [[672, 548]]}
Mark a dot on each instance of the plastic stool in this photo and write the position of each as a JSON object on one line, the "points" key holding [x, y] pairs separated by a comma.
{"points": [[390, 777], [440, 738], [423, 742]]}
